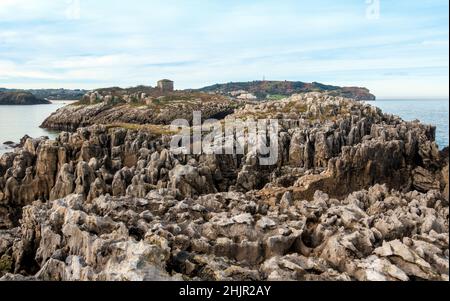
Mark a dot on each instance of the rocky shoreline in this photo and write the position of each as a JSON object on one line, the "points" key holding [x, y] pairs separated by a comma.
{"points": [[355, 195]]}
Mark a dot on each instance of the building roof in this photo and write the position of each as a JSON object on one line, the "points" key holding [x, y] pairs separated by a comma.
{"points": [[165, 80]]}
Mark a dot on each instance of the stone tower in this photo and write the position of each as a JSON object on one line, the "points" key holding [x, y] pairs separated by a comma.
{"points": [[165, 85]]}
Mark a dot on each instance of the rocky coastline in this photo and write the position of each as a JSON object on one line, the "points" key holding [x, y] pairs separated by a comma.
{"points": [[138, 107], [356, 194]]}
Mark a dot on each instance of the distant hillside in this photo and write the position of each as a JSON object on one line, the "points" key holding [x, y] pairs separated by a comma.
{"points": [[20, 98], [52, 94], [273, 89]]}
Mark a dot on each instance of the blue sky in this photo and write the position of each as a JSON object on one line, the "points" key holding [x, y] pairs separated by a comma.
{"points": [[401, 52]]}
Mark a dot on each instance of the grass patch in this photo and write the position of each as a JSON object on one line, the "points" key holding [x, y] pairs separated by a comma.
{"points": [[276, 97], [150, 128], [79, 104], [6, 264], [135, 104], [294, 107]]}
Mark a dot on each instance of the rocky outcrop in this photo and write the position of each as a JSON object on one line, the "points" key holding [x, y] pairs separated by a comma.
{"points": [[53, 241], [20, 98], [370, 235], [354, 195], [104, 107]]}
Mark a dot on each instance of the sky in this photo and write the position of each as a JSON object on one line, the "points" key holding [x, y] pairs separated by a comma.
{"points": [[396, 48]]}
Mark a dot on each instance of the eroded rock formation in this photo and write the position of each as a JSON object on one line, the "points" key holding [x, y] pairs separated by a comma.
{"points": [[107, 107], [354, 195]]}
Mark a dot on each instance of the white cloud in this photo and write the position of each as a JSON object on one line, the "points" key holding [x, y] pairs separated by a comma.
{"points": [[10, 70], [202, 42], [14, 10], [436, 43]]}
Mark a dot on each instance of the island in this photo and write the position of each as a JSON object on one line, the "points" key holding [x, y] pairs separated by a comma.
{"points": [[21, 98], [52, 94]]}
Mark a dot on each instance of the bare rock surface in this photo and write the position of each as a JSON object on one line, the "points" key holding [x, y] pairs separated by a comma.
{"points": [[355, 195]]}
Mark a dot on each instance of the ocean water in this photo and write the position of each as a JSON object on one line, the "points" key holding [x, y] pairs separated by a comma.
{"points": [[433, 112], [18, 121]]}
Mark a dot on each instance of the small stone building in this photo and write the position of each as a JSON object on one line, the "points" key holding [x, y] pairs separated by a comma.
{"points": [[165, 85]]}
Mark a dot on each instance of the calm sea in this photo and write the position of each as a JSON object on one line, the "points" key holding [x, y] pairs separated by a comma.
{"points": [[428, 111], [18, 121]]}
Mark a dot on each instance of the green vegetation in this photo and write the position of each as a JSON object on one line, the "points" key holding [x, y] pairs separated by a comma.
{"points": [[6, 264], [276, 97], [295, 107], [20, 98], [150, 128], [276, 89], [52, 94]]}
